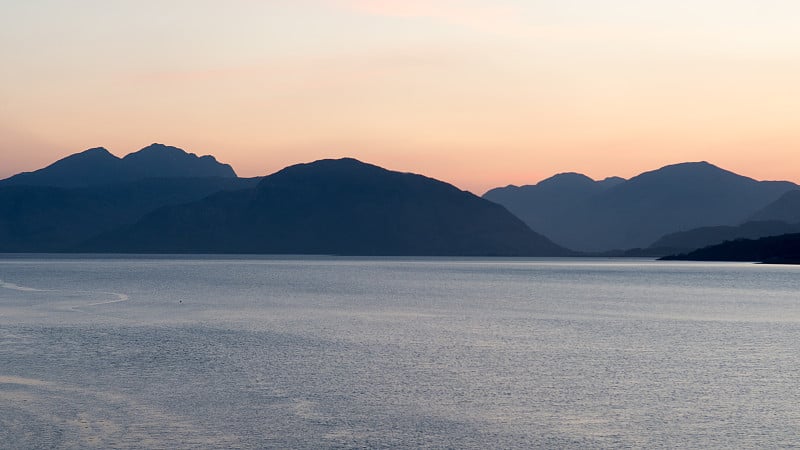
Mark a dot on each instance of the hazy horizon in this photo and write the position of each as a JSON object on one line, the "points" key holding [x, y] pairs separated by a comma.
{"points": [[477, 93], [478, 193]]}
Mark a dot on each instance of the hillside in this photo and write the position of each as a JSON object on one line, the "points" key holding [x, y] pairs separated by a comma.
{"points": [[589, 216], [53, 219], [342, 207], [784, 249], [97, 166]]}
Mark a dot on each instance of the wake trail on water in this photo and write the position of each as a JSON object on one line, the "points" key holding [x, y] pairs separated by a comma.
{"points": [[119, 299], [118, 296], [16, 287]]}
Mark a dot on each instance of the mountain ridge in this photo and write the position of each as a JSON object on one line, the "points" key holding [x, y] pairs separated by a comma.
{"points": [[98, 166], [782, 249], [635, 213], [339, 207], [685, 241], [603, 215]]}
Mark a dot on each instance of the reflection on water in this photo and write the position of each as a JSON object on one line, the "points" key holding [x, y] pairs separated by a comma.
{"points": [[324, 352]]}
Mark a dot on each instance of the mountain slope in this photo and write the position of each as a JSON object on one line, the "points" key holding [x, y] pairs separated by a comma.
{"points": [[553, 203], [342, 207], [97, 166], [637, 212], [93, 166], [163, 161], [685, 241], [785, 209], [774, 249], [51, 219]]}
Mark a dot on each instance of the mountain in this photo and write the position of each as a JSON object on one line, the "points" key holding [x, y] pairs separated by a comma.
{"points": [[163, 161], [774, 249], [785, 209], [53, 219], [342, 207], [554, 202], [686, 241], [634, 213], [97, 166]]}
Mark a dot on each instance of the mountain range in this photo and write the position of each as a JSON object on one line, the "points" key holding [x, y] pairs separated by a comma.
{"points": [[342, 207], [97, 166], [163, 199], [595, 216]]}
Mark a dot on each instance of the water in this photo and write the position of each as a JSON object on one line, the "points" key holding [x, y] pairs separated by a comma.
{"points": [[325, 352]]}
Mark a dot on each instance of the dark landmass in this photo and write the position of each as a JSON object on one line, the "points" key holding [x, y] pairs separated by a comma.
{"points": [[163, 199], [55, 219], [339, 207], [96, 167], [685, 241], [649, 252], [784, 249], [555, 206], [590, 216]]}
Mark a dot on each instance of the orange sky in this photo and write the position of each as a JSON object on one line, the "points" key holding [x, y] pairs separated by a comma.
{"points": [[475, 92]]}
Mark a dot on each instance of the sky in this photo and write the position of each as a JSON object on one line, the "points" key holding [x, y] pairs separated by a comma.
{"points": [[479, 93]]}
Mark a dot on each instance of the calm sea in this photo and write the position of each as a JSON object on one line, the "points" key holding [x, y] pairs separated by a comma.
{"points": [[458, 353]]}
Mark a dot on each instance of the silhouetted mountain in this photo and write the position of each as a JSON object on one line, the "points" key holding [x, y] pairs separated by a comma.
{"points": [[163, 161], [783, 249], [636, 212], [50, 219], [686, 241], [342, 207], [97, 166], [93, 166], [785, 209], [554, 202], [611, 182]]}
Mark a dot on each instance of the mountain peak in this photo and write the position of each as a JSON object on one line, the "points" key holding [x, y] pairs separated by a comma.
{"points": [[567, 179], [97, 166], [679, 174], [93, 166], [158, 150], [333, 163], [329, 167], [692, 166], [96, 154], [165, 161], [341, 173], [159, 146], [95, 151], [610, 182]]}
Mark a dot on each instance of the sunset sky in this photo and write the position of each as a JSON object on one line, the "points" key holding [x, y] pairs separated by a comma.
{"points": [[478, 93]]}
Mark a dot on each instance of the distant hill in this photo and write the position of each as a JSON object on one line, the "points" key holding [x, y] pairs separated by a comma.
{"points": [[785, 209], [342, 207], [53, 219], [587, 216], [685, 241], [554, 203], [784, 249], [97, 166]]}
